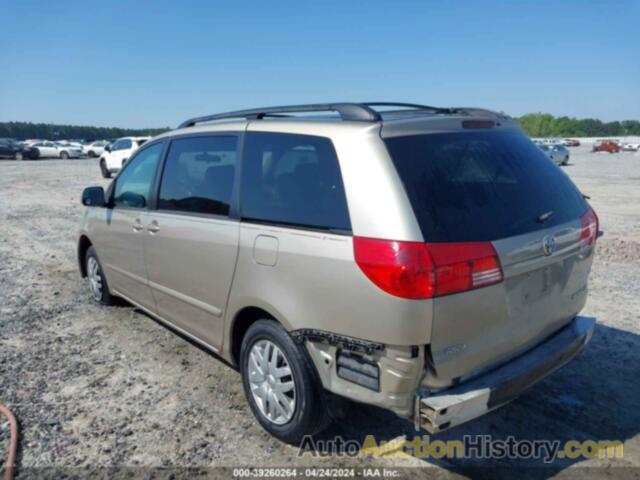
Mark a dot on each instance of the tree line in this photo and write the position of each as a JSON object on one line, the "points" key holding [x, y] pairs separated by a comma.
{"points": [[48, 131], [534, 124], [546, 125]]}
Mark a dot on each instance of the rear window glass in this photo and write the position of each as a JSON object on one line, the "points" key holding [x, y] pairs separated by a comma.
{"points": [[293, 180], [482, 186]]}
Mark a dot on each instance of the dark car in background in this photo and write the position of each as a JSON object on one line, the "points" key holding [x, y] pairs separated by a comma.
{"points": [[10, 148]]}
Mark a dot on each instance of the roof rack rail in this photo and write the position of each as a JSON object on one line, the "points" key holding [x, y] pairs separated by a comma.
{"points": [[360, 112], [446, 110], [409, 106], [347, 111]]}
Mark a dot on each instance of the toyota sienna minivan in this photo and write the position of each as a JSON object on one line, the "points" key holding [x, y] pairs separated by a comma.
{"points": [[429, 261]]}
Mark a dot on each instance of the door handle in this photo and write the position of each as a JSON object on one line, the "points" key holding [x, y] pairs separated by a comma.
{"points": [[137, 225], [153, 227]]}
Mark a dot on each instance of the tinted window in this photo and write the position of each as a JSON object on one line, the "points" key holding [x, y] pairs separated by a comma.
{"points": [[294, 180], [124, 144], [134, 182], [476, 186], [198, 175]]}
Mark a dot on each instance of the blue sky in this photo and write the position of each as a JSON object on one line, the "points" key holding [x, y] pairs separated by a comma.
{"points": [[153, 64]]}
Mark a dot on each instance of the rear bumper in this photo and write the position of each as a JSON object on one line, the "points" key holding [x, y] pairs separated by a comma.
{"points": [[478, 396]]}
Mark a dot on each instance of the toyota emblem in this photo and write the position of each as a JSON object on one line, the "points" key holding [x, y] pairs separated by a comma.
{"points": [[549, 244]]}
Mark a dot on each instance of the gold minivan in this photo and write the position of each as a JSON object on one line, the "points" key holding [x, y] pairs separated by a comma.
{"points": [[430, 261]]}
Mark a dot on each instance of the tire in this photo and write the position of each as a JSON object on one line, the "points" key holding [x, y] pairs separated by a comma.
{"points": [[64, 156], [105, 171], [100, 293], [91, 154], [18, 156], [35, 155], [565, 161], [309, 412]]}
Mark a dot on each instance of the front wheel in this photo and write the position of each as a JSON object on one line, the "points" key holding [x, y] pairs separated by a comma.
{"points": [[97, 281], [64, 155], [91, 154], [280, 383], [105, 171]]}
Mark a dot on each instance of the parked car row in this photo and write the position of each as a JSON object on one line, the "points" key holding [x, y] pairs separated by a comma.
{"points": [[565, 142], [112, 153]]}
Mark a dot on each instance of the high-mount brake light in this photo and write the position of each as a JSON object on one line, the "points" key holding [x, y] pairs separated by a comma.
{"points": [[426, 270], [478, 124]]}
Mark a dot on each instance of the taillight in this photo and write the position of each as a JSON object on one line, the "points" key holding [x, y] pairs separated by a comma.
{"points": [[426, 270], [464, 266], [590, 226]]}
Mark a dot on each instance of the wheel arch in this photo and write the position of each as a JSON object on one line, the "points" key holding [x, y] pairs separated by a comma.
{"points": [[241, 322]]}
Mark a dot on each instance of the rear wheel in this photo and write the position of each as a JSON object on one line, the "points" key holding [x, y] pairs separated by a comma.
{"points": [[64, 155], [280, 383], [105, 171], [91, 154], [18, 156], [97, 281]]}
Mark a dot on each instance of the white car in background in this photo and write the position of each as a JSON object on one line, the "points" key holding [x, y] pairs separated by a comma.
{"points": [[630, 147], [47, 149], [95, 149], [117, 153]]}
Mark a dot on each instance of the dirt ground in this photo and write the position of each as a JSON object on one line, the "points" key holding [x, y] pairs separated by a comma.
{"points": [[109, 387]]}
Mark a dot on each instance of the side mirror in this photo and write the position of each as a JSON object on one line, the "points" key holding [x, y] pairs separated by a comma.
{"points": [[93, 197], [107, 148]]}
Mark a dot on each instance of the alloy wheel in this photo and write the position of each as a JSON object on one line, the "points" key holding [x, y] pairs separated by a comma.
{"points": [[271, 382], [95, 278]]}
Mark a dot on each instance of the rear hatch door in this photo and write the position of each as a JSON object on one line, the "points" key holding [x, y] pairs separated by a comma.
{"points": [[496, 186]]}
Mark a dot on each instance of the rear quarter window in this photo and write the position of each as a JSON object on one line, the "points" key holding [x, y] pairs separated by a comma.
{"points": [[293, 180], [482, 186]]}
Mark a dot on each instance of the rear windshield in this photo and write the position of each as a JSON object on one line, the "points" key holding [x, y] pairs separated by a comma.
{"points": [[482, 186]]}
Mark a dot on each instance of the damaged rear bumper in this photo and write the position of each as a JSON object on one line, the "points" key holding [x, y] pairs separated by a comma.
{"points": [[478, 396]]}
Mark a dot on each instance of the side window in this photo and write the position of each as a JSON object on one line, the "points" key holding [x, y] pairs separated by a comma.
{"points": [[134, 182], [293, 180], [198, 175], [116, 145], [125, 145]]}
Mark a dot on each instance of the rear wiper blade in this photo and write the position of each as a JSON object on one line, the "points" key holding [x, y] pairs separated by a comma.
{"points": [[545, 216]]}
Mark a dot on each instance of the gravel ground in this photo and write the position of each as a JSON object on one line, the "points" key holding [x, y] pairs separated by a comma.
{"points": [[109, 387]]}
